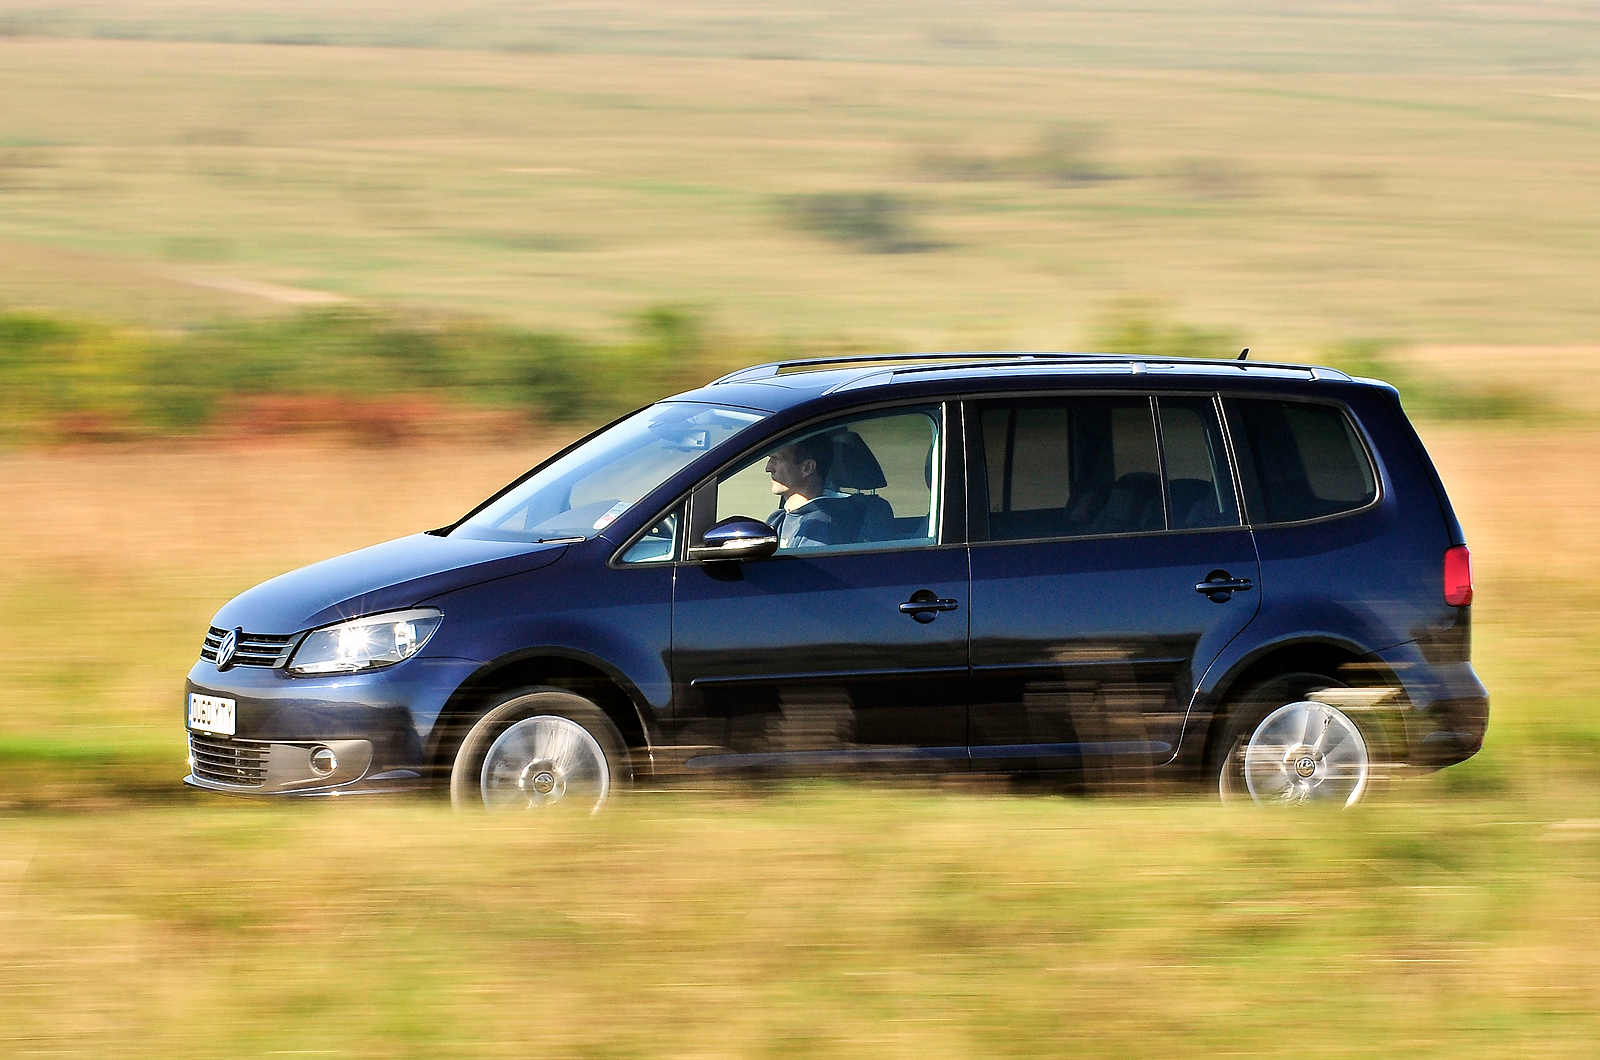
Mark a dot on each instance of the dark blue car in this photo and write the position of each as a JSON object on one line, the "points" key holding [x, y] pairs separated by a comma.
{"points": [[1101, 569]]}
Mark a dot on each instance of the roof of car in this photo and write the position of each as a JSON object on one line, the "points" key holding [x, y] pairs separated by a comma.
{"points": [[782, 384]]}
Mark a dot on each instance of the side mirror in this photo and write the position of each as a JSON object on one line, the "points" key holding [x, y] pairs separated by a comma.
{"points": [[737, 537]]}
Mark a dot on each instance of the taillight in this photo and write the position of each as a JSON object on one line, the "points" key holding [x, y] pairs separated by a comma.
{"points": [[1457, 576]]}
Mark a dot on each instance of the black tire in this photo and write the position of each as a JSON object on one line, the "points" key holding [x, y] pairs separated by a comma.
{"points": [[1266, 700], [569, 753]]}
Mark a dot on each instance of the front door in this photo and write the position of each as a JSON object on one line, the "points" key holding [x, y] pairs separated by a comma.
{"points": [[1102, 516], [849, 646]]}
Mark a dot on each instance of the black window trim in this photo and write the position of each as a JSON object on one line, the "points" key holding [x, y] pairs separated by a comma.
{"points": [[1228, 454], [1368, 450], [678, 508], [965, 475]]}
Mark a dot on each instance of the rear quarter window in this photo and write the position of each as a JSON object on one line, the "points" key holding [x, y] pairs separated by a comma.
{"points": [[1300, 460]]}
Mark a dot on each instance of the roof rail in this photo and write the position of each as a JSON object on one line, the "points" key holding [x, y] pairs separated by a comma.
{"points": [[896, 364], [1076, 358], [889, 360], [1140, 363]]}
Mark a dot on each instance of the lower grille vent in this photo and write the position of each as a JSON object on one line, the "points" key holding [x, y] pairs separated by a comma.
{"points": [[224, 761]]}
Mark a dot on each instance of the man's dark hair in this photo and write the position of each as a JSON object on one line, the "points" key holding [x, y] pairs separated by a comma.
{"points": [[818, 447]]}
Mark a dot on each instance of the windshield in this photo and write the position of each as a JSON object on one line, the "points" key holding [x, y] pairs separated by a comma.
{"points": [[582, 493]]}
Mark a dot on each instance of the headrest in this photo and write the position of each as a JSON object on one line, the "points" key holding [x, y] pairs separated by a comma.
{"points": [[854, 466]]}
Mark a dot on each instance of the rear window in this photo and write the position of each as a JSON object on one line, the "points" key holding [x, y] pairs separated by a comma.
{"points": [[1307, 461], [1071, 467]]}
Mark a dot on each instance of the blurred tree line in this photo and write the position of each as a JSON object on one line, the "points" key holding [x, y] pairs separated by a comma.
{"points": [[64, 379], [379, 375]]}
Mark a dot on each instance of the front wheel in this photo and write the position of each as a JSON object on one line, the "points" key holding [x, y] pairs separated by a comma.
{"points": [[1285, 748], [540, 749]]}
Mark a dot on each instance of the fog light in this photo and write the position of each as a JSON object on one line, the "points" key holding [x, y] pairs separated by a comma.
{"points": [[324, 762]]}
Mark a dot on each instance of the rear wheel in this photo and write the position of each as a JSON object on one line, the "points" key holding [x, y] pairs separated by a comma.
{"points": [[1283, 747], [540, 749]]}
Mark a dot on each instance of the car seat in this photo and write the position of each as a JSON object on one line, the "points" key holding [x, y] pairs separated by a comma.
{"points": [[1133, 504], [864, 516], [1194, 503]]}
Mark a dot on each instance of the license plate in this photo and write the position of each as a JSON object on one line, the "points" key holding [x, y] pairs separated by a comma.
{"points": [[211, 714]]}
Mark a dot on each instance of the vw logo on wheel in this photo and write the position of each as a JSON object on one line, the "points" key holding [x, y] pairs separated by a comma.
{"points": [[229, 645], [1305, 765]]}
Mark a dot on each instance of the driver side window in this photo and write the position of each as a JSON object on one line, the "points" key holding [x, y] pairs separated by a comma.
{"points": [[867, 482]]}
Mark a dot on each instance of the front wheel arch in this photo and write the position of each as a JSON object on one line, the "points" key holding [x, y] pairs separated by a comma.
{"points": [[617, 700], [585, 762]]}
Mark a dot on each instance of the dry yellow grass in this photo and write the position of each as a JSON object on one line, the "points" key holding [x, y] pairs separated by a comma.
{"points": [[1528, 500], [231, 511], [115, 559], [1565, 377]]}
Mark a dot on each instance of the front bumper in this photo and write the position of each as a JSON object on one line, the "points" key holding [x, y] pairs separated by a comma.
{"points": [[258, 767], [375, 725]]}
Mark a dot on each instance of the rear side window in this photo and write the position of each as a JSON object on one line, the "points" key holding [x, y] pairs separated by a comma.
{"points": [[1306, 459], [1070, 467], [1199, 487]]}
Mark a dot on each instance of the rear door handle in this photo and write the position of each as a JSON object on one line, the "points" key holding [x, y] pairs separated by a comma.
{"points": [[1220, 586], [925, 605]]}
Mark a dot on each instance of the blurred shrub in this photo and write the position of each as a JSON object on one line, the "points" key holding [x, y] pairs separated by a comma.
{"points": [[1064, 154], [63, 379], [22, 164], [1141, 328], [378, 376], [1426, 394], [880, 222], [1213, 178], [952, 162]]}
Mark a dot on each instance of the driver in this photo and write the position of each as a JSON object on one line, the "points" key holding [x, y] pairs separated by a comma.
{"points": [[798, 472]]}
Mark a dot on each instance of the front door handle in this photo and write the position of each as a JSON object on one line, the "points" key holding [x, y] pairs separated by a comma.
{"points": [[1220, 586], [925, 605]]}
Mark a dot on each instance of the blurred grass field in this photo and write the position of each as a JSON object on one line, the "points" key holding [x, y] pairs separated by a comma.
{"points": [[1268, 174], [816, 922], [319, 198]]}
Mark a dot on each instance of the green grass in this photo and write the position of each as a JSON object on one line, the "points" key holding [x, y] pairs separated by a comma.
{"points": [[815, 921]]}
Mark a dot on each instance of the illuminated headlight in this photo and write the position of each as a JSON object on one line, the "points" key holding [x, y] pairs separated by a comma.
{"points": [[365, 643]]}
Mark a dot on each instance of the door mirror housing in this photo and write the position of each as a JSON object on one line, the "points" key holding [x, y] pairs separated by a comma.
{"points": [[735, 538]]}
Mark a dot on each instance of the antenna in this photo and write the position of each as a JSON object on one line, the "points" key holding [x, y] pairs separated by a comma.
{"points": [[1244, 353]]}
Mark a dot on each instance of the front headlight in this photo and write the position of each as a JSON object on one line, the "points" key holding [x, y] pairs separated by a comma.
{"points": [[365, 643]]}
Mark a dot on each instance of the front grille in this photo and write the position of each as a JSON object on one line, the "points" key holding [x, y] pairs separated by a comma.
{"points": [[225, 761], [255, 649]]}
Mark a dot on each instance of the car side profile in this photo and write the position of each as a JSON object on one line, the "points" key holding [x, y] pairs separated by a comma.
{"points": [[1110, 570]]}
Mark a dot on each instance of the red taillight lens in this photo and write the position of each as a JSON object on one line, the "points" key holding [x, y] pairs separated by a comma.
{"points": [[1457, 576]]}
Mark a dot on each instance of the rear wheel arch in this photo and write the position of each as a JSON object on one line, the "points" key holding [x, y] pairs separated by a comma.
{"points": [[1340, 662], [615, 697]]}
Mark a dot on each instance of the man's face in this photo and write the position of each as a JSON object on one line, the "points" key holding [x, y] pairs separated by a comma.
{"points": [[787, 473]]}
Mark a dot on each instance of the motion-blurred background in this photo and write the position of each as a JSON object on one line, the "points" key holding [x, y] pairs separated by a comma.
{"points": [[281, 280]]}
